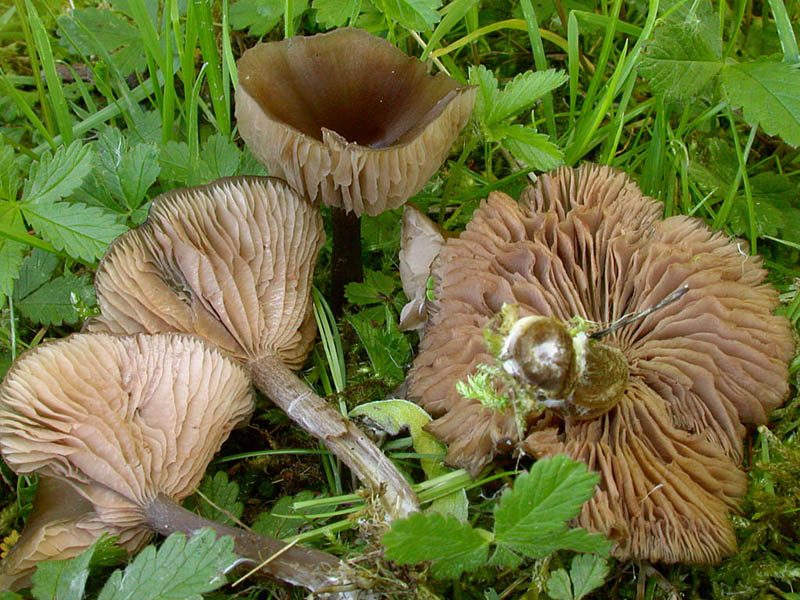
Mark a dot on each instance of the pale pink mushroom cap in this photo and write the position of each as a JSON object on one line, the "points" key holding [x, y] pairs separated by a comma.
{"points": [[120, 419]]}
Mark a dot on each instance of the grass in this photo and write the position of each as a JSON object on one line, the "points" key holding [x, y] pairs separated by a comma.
{"points": [[162, 74]]}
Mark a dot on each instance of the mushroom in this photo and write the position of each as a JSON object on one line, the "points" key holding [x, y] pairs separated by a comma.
{"points": [[121, 429], [233, 262], [585, 243], [347, 118]]}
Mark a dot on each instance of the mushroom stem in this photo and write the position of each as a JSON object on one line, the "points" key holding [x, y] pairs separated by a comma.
{"points": [[312, 569], [346, 255], [338, 434]]}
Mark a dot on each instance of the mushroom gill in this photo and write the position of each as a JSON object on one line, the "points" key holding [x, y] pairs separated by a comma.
{"points": [[121, 429], [586, 243]]}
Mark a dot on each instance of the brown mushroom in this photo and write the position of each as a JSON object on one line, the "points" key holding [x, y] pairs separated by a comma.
{"points": [[585, 243], [233, 262], [121, 429], [347, 118]]}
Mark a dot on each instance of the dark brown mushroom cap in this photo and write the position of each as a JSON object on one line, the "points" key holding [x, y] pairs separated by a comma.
{"points": [[347, 118], [231, 261], [586, 243], [122, 419]]}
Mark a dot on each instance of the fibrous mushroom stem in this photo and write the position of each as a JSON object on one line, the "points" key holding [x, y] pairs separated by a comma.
{"points": [[312, 569], [338, 434], [346, 255]]}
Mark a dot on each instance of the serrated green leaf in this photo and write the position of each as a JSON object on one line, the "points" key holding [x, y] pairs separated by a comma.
{"points": [[174, 161], [224, 494], [11, 252], [56, 302], [767, 93], [179, 569], [259, 16], [488, 91], [387, 347], [335, 13], [419, 15], [56, 176], [81, 231], [679, 61], [454, 547], [531, 518], [522, 91], [126, 171], [89, 31], [588, 572], [62, 579], [10, 179], [283, 520], [530, 147], [377, 287], [37, 269], [220, 156], [559, 586]]}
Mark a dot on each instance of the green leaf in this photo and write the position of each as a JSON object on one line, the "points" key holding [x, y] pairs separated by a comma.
{"points": [[531, 518], [559, 586], [387, 347], [522, 92], [174, 161], [179, 569], [679, 61], [419, 15], [57, 301], [392, 416], [530, 147], [126, 172], [11, 253], [588, 572], [284, 520], [37, 269], [81, 231], [89, 31], [488, 91], [335, 13], [376, 288], [57, 175], [224, 494], [767, 92], [62, 579], [454, 547], [220, 156]]}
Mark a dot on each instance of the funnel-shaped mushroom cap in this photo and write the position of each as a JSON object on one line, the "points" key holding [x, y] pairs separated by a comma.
{"points": [[61, 525], [121, 419], [231, 261], [347, 118], [586, 243]]}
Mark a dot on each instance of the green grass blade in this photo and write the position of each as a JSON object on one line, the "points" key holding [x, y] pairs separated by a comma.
{"points": [[331, 341], [791, 54], [573, 62], [26, 110], [54, 86], [454, 12], [47, 115], [540, 60], [208, 48]]}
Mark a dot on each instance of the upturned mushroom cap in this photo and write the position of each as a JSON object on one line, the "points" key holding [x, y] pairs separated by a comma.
{"points": [[231, 261], [347, 118], [61, 525], [586, 243], [120, 420]]}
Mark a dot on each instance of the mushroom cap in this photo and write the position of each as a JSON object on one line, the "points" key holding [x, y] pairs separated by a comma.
{"points": [[121, 419], [587, 243], [61, 525], [347, 118], [231, 261]]}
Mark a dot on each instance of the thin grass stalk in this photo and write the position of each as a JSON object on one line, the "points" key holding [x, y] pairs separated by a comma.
{"points": [[208, 48], [55, 88], [573, 63], [540, 60], [455, 11], [35, 68], [26, 110], [155, 59], [791, 53], [605, 54]]}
